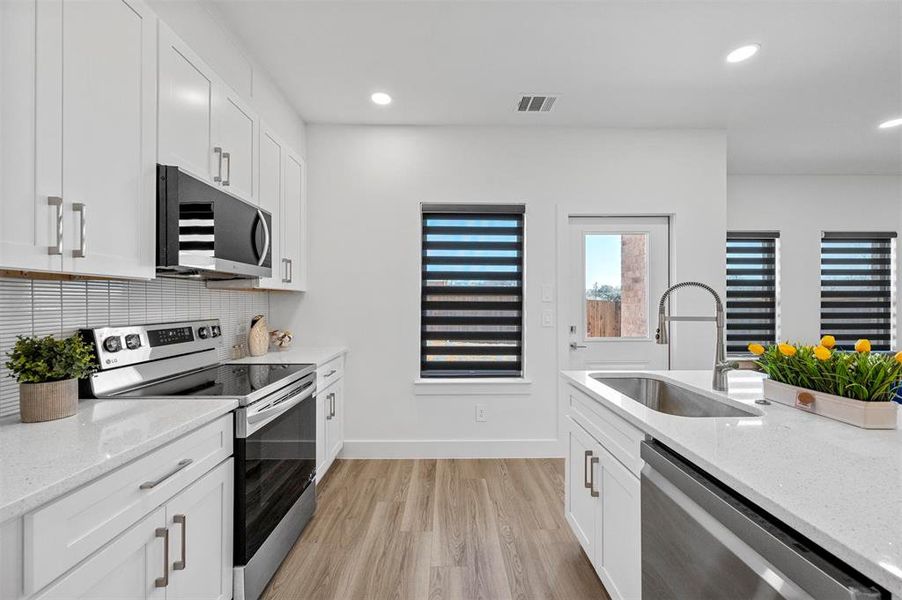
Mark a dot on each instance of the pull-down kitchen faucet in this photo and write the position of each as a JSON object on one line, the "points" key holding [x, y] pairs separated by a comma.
{"points": [[721, 365]]}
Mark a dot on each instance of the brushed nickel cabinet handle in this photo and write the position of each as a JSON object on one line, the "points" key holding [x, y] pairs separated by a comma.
{"points": [[333, 404], [218, 177], [183, 521], [290, 270], [285, 278], [227, 156], [148, 485], [330, 373], [57, 249], [80, 208], [586, 482], [329, 409], [163, 532], [592, 463]]}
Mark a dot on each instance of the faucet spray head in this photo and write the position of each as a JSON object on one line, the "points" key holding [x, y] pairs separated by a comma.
{"points": [[661, 336]]}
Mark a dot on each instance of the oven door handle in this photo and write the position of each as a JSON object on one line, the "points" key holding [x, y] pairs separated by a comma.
{"points": [[256, 420]]}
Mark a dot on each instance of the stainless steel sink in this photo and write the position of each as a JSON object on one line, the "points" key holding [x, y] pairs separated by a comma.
{"points": [[671, 399]]}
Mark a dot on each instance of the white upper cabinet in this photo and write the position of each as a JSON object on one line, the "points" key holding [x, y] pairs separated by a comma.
{"points": [[205, 127], [186, 109], [236, 135], [294, 223], [93, 135]]}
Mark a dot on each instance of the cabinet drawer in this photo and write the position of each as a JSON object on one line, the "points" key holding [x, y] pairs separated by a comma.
{"points": [[617, 436], [330, 372], [62, 533]]}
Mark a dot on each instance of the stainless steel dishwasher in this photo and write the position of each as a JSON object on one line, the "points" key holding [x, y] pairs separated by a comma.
{"points": [[702, 541]]}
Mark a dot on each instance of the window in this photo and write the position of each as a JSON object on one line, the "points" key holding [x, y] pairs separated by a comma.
{"points": [[471, 322], [857, 291], [751, 289], [616, 268]]}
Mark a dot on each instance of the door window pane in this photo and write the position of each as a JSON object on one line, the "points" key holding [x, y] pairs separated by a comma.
{"points": [[616, 285]]}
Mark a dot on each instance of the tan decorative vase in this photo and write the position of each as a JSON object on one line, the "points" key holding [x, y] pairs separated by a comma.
{"points": [[258, 337], [48, 401]]}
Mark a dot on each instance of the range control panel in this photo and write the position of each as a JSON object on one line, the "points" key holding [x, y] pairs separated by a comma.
{"points": [[135, 344]]}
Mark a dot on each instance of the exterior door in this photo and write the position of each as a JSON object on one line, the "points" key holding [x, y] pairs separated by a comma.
{"points": [[619, 268]]}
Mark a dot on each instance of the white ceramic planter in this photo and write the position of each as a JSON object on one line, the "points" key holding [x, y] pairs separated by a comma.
{"points": [[868, 415]]}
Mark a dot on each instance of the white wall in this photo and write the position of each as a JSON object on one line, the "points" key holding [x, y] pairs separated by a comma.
{"points": [[203, 29], [365, 187], [801, 207]]}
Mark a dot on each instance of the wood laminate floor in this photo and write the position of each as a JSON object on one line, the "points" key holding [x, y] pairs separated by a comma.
{"points": [[437, 530]]}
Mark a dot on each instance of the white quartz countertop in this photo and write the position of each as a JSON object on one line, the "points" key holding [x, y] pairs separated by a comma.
{"points": [[296, 355], [836, 484], [41, 461]]}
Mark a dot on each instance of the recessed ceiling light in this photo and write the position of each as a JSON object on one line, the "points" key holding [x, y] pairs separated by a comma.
{"points": [[891, 123], [743, 53], [380, 98]]}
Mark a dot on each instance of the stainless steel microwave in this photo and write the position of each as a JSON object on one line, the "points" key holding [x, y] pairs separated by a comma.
{"points": [[205, 232]]}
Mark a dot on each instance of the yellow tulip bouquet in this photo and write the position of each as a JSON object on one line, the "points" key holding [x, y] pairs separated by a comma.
{"points": [[861, 375]]}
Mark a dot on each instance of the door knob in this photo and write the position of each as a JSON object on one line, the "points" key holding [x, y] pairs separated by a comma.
{"points": [[575, 346]]}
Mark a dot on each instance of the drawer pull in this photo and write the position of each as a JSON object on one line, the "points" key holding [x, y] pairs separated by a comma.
{"points": [[586, 483], [592, 464], [330, 373], [148, 485], [181, 564], [163, 581]]}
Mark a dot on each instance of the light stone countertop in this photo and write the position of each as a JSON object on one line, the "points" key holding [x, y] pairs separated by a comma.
{"points": [[296, 355], [834, 483], [41, 461]]}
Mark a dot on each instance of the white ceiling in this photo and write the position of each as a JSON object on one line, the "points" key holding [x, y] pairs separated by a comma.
{"points": [[827, 74]]}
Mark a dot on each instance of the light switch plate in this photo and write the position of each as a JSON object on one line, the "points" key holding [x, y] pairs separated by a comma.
{"points": [[547, 318], [547, 293]]}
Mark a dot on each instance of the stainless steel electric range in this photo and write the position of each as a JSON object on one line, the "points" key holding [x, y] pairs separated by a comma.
{"points": [[275, 427]]}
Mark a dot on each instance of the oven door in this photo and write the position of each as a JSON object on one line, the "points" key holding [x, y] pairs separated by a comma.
{"points": [[275, 462]]}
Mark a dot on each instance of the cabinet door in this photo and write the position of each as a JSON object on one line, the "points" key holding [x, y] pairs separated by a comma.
{"points": [[272, 162], [28, 222], [334, 424], [200, 540], [618, 529], [186, 110], [126, 569], [236, 134], [294, 222], [323, 408], [107, 120], [580, 505]]}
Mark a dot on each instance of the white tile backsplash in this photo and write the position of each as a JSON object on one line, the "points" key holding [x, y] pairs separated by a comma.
{"points": [[36, 307]]}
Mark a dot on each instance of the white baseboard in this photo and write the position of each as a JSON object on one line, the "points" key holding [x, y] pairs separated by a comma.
{"points": [[530, 448]]}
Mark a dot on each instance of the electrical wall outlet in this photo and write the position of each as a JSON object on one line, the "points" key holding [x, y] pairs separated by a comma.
{"points": [[482, 414]]}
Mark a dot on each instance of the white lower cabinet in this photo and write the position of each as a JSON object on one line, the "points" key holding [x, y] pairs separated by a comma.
{"points": [[603, 510], [330, 434]]}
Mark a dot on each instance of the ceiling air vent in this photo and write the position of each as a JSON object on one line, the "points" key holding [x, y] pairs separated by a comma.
{"points": [[536, 103]]}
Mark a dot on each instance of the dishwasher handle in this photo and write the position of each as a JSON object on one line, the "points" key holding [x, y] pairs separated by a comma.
{"points": [[762, 537]]}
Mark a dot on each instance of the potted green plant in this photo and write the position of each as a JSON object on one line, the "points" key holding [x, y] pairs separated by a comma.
{"points": [[48, 371], [854, 387]]}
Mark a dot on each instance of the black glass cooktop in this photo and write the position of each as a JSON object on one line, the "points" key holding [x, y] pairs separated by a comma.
{"points": [[220, 381]]}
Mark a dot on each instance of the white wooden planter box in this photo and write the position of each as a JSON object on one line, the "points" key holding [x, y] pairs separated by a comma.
{"points": [[869, 415]]}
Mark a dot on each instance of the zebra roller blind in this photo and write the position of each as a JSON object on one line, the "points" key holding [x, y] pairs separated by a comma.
{"points": [[751, 289], [471, 322], [857, 283]]}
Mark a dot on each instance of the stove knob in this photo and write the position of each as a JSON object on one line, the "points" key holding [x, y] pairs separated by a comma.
{"points": [[203, 332], [133, 341], [216, 331], [112, 344]]}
